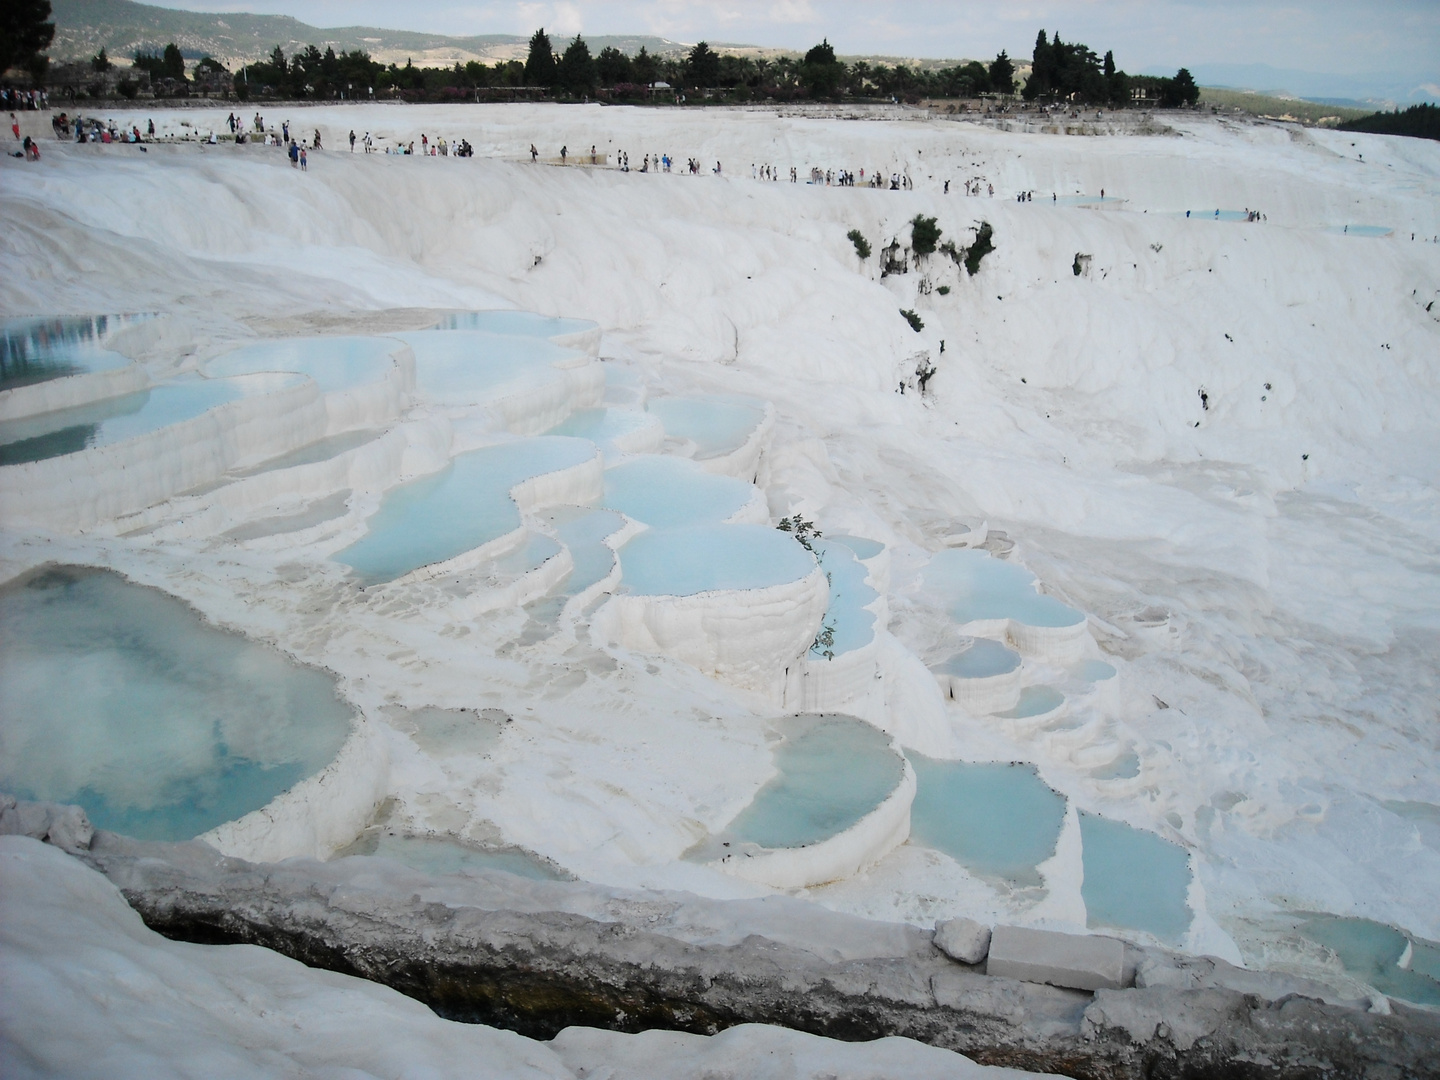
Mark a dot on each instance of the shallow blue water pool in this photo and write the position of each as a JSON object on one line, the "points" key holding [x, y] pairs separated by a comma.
{"points": [[464, 505], [863, 548], [1373, 951], [467, 367], [1360, 230], [983, 659], [716, 425], [831, 774], [601, 426], [584, 533], [973, 585], [36, 350], [996, 819], [122, 699], [666, 492], [1134, 879], [335, 363], [1035, 701], [705, 558], [68, 431], [846, 617]]}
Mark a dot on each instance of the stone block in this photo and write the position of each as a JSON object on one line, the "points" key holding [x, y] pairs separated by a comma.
{"points": [[963, 939], [1080, 961]]}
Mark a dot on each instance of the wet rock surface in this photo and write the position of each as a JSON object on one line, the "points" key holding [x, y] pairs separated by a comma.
{"points": [[537, 957]]}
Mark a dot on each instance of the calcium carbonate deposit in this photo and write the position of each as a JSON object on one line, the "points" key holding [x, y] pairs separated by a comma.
{"points": [[618, 529]]}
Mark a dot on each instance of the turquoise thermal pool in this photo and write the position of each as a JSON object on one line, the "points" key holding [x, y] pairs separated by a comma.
{"points": [[514, 323], [443, 855], [984, 659], [853, 626], [706, 558], [832, 772], [335, 363], [68, 431], [864, 549], [716, 425], [1134, 880], [996, 819], [1361, 230], [36, 350], [123, 700], [464, 505], [1034, 701], [601, 426], [465, 367], [1095, 671], [584, 533], [666, 492], [975, 586], [1373, 952]]}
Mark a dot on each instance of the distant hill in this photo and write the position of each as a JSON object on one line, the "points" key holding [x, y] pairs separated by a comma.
{"points": [[83, 27]]}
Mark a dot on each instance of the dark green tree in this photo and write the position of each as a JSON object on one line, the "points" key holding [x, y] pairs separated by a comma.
{"points": [[577, 69], [702, 66], [100, 62], [613, 67], [643, 68], [1002, 74], [540, 67], [821, 73], [173, 64], [924, 235], [1109, 64], [1186, 92], [25, 32]]}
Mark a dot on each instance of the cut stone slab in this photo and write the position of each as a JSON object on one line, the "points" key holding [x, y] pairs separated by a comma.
{"points": [[1079, 961], [963, 939]]}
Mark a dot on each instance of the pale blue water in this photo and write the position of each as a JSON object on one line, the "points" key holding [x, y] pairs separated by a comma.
{"points": [[464, 367], [1360, 230], [982, 660], [716, 425], [122, 699], [973, 585], [584, 533], [536, 550], [1124, 767], [831, 776], [68, 431], [666, 492], [1134, 880], [1216, 215], [1095, 670], [335, 363], [36, 350], [853, 625], [441, 855], [464, 505], [863, 548], [702, 558], [1370, 952], [601, 426], [1035, 701], [514, 323], [996, 819], [322, 450]]}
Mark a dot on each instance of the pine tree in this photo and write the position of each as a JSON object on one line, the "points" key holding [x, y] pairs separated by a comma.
{"points": [[25, 32], [1002, 74], [540, 67], [577, 69], [703, 66]]}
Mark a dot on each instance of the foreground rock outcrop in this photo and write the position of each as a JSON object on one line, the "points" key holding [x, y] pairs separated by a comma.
{"points": [[537, 957]]}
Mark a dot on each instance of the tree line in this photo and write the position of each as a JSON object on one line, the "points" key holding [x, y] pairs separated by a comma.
{"points": [[1419, 121]]}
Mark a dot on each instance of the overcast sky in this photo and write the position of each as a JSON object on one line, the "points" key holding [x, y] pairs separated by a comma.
{"points": [[1401, 37]]}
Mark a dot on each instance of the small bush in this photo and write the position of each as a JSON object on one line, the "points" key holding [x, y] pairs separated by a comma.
{"points": [[916, 323], [979, 249], [924, 235], [943, 290], [804, 531], [862, 246]]}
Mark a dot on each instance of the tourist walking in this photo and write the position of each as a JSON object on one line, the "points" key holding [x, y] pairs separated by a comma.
{"points": [[352, 140]]}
